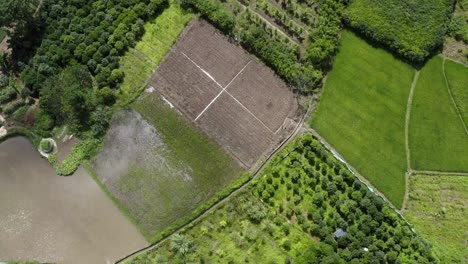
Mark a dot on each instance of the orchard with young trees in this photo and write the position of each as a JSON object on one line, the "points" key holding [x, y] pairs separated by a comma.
{"points": [[291, 214]]}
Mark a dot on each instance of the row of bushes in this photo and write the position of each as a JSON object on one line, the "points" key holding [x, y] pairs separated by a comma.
{"points": [[215, 12], [11, 107]]}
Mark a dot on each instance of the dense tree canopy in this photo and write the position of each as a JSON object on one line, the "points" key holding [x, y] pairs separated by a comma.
{"points": [[411, 28]]}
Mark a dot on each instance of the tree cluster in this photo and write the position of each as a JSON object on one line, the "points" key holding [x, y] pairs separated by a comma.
{"points": [[93, 33], [413, 29], [312, 189]]}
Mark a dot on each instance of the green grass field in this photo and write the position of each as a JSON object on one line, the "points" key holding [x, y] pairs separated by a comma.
{"points": [[362, 113], [438, 140], [438, 211], [160, 35], [457, 76]]}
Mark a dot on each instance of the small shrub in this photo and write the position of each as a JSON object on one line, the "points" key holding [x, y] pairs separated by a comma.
{"points": [[46, 146]]}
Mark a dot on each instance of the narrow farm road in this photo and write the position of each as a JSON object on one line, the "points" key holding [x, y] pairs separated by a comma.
{"points": [[432, 173], [296, 131], [409, 105]]}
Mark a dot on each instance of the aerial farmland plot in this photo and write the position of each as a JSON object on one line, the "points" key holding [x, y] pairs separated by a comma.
{"points": [[226, 92]]}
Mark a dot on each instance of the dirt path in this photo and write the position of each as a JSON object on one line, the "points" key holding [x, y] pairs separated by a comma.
{"points": [[425, 172], [409, 105], [451, 97], [297, 130]]}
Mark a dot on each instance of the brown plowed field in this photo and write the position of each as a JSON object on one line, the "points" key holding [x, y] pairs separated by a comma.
{"points": [[267, 98], [227, 92], [212, 52], [184, 85], [236, 129]]}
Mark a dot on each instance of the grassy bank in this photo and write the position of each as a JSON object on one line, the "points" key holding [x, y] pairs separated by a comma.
{"points": [[362, 113], [438, 210]]}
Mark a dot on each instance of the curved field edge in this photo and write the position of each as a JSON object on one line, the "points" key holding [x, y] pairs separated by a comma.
{"points": [[437, 139], [437, 208], [362, 111], [457, 78], [282, 218]]}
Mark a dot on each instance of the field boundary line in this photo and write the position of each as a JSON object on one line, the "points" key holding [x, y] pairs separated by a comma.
{"points": [[451, 97], [224, 90], [201, 69], [453, 60], [409, 105], [257, 172], [427, 172], [243, 106], [145, 56]]}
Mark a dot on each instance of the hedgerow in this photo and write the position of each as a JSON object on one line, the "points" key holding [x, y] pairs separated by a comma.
{"points": [[413, 29]]}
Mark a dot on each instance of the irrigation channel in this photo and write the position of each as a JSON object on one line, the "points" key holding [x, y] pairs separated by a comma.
{"points": [[55, 219]]}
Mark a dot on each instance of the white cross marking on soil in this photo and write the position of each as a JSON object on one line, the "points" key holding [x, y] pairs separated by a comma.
{"points": [[249, 112], [224, 90], [201, 69]]}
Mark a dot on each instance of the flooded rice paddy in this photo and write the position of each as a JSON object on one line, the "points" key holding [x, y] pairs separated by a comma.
{"points": [[50, 218]]}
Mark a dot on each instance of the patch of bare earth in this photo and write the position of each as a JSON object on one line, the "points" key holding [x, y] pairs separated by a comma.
{"points": [[227, 93], [456, 50]]}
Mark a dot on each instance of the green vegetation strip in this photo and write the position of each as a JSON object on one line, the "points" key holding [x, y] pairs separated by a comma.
{"points": [[438, 210], [160, 34], [292, 214], [438, 141], [362, 113]]}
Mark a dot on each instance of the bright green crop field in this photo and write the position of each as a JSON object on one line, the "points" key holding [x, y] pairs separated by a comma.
{"points": [[457, 76], [437, 137], [438, 210], [362, 113]]}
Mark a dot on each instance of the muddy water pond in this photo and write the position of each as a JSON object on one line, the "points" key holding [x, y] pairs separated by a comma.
{"points": [[50, 218]]}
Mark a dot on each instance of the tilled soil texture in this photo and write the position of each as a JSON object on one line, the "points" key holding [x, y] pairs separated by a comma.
{"points": [[55, 219], [227, 92]]}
